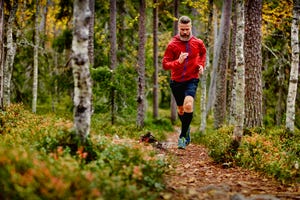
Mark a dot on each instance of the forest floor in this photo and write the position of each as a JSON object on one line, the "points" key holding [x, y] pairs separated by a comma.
{"points": [[194, 175]]}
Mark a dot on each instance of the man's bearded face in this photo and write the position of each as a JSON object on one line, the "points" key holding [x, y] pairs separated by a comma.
{"points": [[185, 31]]}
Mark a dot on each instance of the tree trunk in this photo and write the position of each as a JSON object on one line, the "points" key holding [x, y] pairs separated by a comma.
{"points": [[220, 104], [253, 63], [292, 93], [35, 58], [232, 68], [121, 30], [205, 73], [113, 53], [10, 55], [141, 65], [81, 73], [240, 73], [213, 76], [155, 60], [1, 51], [175, 31], [91, 32]]}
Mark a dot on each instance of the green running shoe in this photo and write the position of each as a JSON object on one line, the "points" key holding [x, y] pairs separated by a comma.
{"points": [[181, 143]]}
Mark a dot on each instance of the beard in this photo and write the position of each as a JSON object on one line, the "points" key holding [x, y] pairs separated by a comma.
{"points": [[185, 37]]}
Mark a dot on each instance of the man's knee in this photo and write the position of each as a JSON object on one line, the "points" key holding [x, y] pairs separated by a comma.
{"points": [[188, 104], [180, 110]]}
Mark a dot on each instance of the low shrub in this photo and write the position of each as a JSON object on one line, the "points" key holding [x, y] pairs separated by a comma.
{"points": [[272, 151], [43, 159]]}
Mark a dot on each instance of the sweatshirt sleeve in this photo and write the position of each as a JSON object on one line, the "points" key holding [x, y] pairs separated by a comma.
{"points": [[202, 54], [170, 61]]}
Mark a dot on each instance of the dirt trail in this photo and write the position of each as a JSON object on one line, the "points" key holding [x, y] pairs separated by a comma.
{"points": [[196, 176]]}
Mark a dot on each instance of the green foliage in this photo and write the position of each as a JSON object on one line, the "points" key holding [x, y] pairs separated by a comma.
{"points": [[42, 158], [272, 151], [122, 81], [63, 41], [219, 144]]}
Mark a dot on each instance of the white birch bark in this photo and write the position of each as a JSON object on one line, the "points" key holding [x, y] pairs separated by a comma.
{"points": [[292, 93], [10, 56], [35, 59], [81, 73], [240, 73], [203, 93]]}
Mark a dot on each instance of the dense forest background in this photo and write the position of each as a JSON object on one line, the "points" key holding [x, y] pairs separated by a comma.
{"points": [[36, 49], [93, 68]]}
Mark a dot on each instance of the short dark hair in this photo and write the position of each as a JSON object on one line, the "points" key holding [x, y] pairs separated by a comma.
{"points": [[184, 20]]}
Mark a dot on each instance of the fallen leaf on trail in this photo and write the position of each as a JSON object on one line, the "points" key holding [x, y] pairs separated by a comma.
{"points": [[187, 166], [192, 180]]}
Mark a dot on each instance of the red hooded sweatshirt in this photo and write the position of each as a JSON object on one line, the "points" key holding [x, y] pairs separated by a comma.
{"points": [[189, 69]]}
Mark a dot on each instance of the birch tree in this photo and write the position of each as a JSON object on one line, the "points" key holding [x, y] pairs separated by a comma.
{"points": [[292, 92], [240, 73], [141, 65], [253, 63], [35, 58], [220, 104], [10, 55], [80, 65]]}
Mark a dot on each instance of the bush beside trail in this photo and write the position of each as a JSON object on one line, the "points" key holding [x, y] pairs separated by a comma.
{"points": [[42, 159]]}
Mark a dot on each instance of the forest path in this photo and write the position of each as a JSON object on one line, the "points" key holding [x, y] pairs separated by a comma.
{"points": [[195, 176]]}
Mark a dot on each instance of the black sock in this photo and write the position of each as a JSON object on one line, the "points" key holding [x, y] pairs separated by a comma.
{"points": [[186, 121], [180, 117]]}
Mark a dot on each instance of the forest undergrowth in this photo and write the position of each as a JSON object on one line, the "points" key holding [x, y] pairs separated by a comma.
{"points": [[43, 159]]}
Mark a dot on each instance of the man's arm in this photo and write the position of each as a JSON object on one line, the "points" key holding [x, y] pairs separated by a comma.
{"points": [[169, 62], [202, 55]]}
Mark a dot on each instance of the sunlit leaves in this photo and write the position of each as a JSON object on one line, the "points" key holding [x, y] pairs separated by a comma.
{"points": [[276, 15], [201, 6]]}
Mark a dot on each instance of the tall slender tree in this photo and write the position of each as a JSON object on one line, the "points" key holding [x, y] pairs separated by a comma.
{"points": [[239, 113], [292, 93], [253, 63], [206, 69], [113, 53], [213, 74], [35, 57], [175, 31], [141, 65], [155, 60], [232, 67], [1, 51], [80, 64], [220, 104], [10, 54]]}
